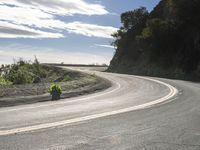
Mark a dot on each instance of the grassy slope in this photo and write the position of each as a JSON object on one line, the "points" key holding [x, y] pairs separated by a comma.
{"points": [[79, 84], [69, 80]]}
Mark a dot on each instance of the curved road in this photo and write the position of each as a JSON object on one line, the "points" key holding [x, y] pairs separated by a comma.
{"points": [[135, 113]]}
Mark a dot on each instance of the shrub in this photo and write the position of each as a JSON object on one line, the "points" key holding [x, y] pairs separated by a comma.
{"points": [[4, 81], [25, 72], [54, 87], [55, 91], [20, 76]]}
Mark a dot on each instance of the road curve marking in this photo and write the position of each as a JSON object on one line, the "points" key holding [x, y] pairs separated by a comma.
{"points": [[172, 93]]}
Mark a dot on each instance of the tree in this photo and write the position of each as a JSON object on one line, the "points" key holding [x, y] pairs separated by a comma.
{"points": [[188, 12], [132, 24], [161, 39], [133, 18], [2, 66]]}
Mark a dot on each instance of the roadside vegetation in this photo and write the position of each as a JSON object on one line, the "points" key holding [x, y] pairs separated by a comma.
{"points": [[164, 42], [26, 78], [55, 91], [27, 72], [4, 82]]}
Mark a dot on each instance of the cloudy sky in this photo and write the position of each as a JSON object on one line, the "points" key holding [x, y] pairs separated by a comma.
{"points": [[70, 31]]}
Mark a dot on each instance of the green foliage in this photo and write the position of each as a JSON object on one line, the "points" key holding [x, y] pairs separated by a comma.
{"points": [[66, 78], [23, 72], [55, 88], [92, 77], [188, 12], [55, 91], [4, 81], [160, 37], [133, 23], [132, 19], [169, 36], [20, 76]]}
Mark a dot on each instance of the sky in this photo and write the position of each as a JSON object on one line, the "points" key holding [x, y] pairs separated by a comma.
{"points": [[55, 31]]}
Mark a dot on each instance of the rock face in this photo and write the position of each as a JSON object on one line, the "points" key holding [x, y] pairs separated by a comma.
{"points": [[166, 43]]}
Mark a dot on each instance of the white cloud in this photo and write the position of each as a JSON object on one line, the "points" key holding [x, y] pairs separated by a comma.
{"points": [[8, 30], [61, 7], [30, 16], [48, 55], [105, 46], [90, 30]]}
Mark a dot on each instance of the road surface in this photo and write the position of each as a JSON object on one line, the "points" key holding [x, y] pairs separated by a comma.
{"points": [[136, 113]]}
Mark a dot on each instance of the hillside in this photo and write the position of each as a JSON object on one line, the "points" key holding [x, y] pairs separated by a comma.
{"points": [[26, 78], [164, 42], [27, 82]]}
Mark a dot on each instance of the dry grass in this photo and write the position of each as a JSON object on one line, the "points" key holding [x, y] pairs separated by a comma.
{"points": [[77, 80]]}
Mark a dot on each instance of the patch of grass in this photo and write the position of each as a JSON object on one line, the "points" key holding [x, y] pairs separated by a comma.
{"points": [[66, 78], [92, 77], [4, 81]]}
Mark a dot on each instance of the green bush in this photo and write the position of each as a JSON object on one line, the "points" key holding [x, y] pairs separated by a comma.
{"points": [[25, 72], [22, 76], [4, 81], [55, 87], [55, 91]]}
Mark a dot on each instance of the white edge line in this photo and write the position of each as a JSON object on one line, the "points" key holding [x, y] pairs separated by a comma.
{"points": [[172, 93]]}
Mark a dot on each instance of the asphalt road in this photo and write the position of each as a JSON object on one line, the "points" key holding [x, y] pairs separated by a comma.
{"points": [[134, 114]]}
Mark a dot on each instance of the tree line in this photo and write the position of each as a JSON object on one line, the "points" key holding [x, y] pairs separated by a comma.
{"points": [[168, 37]]}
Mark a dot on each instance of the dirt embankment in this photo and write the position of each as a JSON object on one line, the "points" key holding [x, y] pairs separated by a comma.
{"points": [[80, 84]]}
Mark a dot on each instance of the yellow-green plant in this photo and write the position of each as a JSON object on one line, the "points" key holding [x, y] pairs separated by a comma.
{"points": [[4, 81], [55, 91]]}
